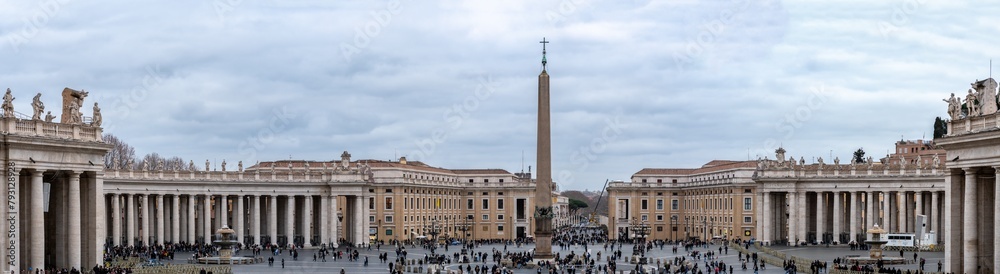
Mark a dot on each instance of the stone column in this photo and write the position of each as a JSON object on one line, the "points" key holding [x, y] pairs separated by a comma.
{"points": [[765, 228], [904, 212], [116, 219], [307, 221], [918, 201], [131, 219], [206, 217], [272, 219], [335, 221], [175, 224], [324, 219], [74, 231], [224, 211], [255, 220], [793, 208], [144, 231], [801, 216], [160, 224], [996, 220], [37, 222], [290, 219], [238, 220], [838, 215], [934, 208], [969, 222], [886, 209], [952, 217], [869, 210], [854, 204], [191, 224], [820, 215]]}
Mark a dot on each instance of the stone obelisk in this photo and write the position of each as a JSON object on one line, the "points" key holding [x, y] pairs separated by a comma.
{"points": [[543, 185]]}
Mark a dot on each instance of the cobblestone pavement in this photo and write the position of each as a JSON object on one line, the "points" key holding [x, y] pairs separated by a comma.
{"points": [[305, 264]]}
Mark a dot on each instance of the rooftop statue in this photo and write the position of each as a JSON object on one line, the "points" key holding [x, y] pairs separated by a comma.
{"points": [[954, 107], [49, 117], [97, 120], [37, 107], [74, 113], [191, 165], [206, 165], [240, 165], [223, 164], [970, 104], [8, 104]]}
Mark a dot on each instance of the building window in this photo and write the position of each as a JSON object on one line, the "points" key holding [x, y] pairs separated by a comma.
{"points": [[486, 193], [499, 203], [486, 180], [371, 219], [500, 217], [673, 204], [486, 203], [388, 203], [470, 180], [371, 203], [470, 203], [388, 232], [468, 217], [659, 217], [501, 180], [644, 204], [643, 180], [659, 204], [388, 190], [747, 203], [645, 218], [388, 219], [747, 219], [486, 217], [500, 228], [659, 228]]}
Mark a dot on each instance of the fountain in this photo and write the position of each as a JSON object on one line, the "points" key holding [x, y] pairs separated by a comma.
{"points": [[225, 240], [875, 252]]}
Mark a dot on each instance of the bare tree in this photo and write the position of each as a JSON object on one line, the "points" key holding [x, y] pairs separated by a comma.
{"points": [[126, 160], [120, 153]]}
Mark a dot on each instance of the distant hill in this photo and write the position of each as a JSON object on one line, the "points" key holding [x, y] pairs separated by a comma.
{"points": [[590, 198]]}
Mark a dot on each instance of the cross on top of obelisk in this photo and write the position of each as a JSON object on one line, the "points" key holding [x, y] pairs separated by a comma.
{"points": [[543, 42]]}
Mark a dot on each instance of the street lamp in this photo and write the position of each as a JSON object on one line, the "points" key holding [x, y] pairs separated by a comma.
{"points": [[640, 229], [434, 230]]}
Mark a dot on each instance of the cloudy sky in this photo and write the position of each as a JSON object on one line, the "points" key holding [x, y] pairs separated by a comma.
{"points": [[635, 83]]}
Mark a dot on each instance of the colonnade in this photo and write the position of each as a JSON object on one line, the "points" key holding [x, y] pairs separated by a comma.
{"points": [[144, 219], [804, 216], [46, 217], [972, 220]]}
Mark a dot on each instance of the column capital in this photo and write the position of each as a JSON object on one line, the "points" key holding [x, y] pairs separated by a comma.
{"points": [[972, 170]]}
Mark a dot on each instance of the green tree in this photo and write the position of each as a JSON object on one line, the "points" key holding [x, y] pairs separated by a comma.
{"points": [[575, 204], [859, 156], [940, 127]]}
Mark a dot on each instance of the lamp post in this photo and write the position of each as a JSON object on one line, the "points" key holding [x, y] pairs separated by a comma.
{"points": [[434, 230], [640, 230]]}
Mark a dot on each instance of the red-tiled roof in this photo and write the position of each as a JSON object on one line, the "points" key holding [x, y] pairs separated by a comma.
{"points": [[714, 165], [493, 171]]}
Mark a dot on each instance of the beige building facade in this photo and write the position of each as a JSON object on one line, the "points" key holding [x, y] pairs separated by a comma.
{"points": [[715, 201]]}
